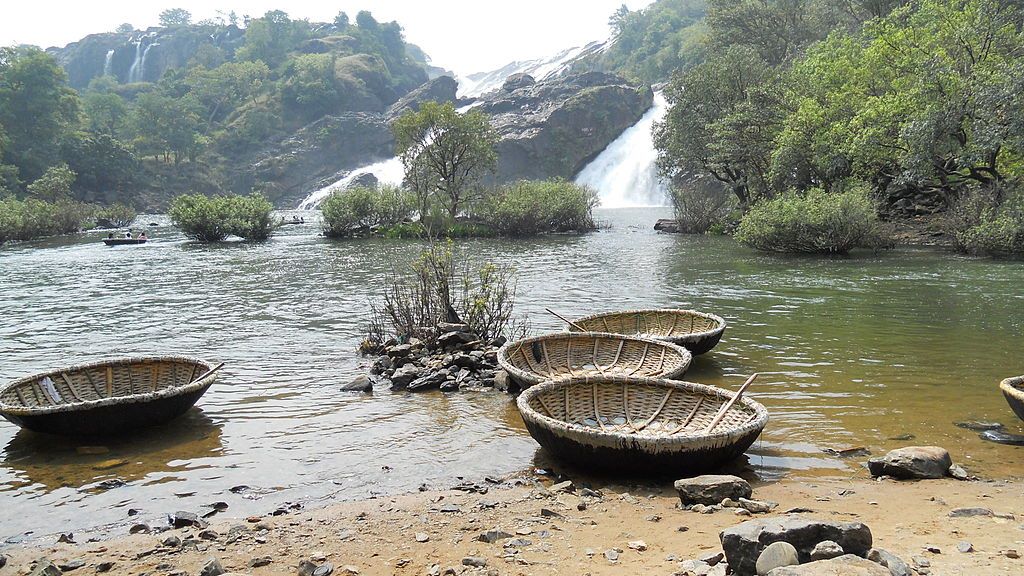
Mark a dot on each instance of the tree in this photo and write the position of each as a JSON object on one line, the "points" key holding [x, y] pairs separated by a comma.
{"points": [[106, 112], [446, 151], [778, 30], [341, 20], [125, 28], [722, 121], [175, 17], [166, 126], [366, 21], [270, 38], [308, 88], [227, 86], [54, 185], [101, 162]]}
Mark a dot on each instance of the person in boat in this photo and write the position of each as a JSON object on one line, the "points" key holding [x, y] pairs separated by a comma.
{"points": [[110, 236], [142, 236], [295, 218], [128, 234]]}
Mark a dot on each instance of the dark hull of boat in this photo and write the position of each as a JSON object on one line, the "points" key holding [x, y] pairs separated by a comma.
{"points": [[1016, 404], [123, 241], [632, 461], [700, 346], [112, 419]]}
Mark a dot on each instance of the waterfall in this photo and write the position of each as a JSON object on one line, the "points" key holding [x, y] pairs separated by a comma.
{"points": [[132, 76], [388, 171], [540, 69], [624, 174], [107, 61], [142, 63]]}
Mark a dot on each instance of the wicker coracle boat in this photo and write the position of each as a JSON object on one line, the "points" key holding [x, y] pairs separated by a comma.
{"points": [[640, 425], [697, 331], [107, 397], [1013, 391], [567, 354]]}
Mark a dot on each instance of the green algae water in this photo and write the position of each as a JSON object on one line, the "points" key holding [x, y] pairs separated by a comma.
{"points": [[872, 351]]}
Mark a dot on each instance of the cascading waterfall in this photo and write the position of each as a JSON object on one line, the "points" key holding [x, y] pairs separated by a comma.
{"points": [[388, 171], [133, 70], [142, 64], [107, 62], [624, 173], [540, 69]]}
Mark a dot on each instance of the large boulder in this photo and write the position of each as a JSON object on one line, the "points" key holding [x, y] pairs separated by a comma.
{"points": [[847, 565], [552, 128], [896, 566], [743, 543], [711, 489], [913, 463], [441, 89]]}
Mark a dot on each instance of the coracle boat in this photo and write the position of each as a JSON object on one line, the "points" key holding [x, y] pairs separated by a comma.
{"points": [[698, 332], [1013, 390], [123, 241], [568, 354], [633, 425], [107, 397]]}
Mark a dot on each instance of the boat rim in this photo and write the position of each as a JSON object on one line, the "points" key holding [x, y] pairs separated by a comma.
{"points": [[757, 423], [683, 337], [197, 384]]}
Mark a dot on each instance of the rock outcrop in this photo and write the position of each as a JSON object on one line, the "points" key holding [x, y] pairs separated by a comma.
{"points": [[744, 543], [441, 89], [913, 463]]}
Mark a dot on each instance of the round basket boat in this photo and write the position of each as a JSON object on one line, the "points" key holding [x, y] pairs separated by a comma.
{"points": [[106, 397], [1013, 390], [567, 354], [698, 332], [639, 425]]}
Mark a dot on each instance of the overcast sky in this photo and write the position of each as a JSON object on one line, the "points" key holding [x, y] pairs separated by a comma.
{"points": [[461, 35]]}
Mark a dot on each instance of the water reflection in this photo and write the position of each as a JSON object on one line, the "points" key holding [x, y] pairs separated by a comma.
{"points": [[853, 352]]}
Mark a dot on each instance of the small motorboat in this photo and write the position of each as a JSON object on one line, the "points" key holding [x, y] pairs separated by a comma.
{"points": [[1013, 391], [698, 332], [107, 397], [124, 241], [571, 354], [631, 425]]}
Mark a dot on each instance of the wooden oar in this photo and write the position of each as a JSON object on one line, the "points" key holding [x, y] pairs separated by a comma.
{"points": [[566, 320], [735, 398], [201, 376]]}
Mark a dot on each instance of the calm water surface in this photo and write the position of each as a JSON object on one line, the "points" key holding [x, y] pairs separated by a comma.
{"points": [[853, 352]]}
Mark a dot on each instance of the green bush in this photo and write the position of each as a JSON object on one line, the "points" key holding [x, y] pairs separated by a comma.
{"points": [[702, 207], [354, 211], [990, 222], [116, 215], [817, 222], [212, 219], [30, 219], [532, 207]]}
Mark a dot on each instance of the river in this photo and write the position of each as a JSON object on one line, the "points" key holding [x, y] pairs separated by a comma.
{"points": [[853, 352]]}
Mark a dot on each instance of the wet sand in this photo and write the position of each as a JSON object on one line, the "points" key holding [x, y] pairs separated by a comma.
{"points": [[430, 532]]}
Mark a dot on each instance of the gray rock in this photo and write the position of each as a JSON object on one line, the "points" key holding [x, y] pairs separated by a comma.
{"points": [[306, 568], [670, 225], [43, 567], [325, 569], [261, 562], [957, 471], [212, 568], [3, 560], [896, 566], [969, 512], [743, 543], [452, 339], [186, 519], [71, 565], [848, 565], [965, 547], [362, 383], [400, 351], [104, 567], [711, 489], [444, 327], [776, 555], [474, 561], [429, 381], [404, 375], [501, 381], [172, 542], [826, 550], [517, 81], [612, 555], [441, 89], [756, 506], [711, 558], [912, 462], [492, 536]]}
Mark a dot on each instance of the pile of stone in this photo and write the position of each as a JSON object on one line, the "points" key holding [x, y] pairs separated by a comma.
{"points": [[787, 545], [456, 359]]}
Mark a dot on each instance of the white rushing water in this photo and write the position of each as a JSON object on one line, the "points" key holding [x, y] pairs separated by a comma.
{"points": [[388, 171], [624, 173], [540, 69], [107, 61]]}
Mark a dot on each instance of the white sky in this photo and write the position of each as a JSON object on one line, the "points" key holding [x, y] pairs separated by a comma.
{"points": [[462, 35]]}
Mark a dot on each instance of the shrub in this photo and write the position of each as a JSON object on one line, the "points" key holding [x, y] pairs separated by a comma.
{"points": [[116, 216], [701, 207], [352, 211], [212, 219], [443, 287], [30, 219], [814, 223], [533, 207], [990, 222]]}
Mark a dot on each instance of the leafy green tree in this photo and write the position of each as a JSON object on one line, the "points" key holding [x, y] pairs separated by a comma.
{"points": [[54, 185], [270, 38], [341, 20], [37, 109], [224, 88], [167, 126], [778, 30], [446, 151], [125, 28], [309, 89], [175, 17], [106, 112], [722, 121], [101, 162]]}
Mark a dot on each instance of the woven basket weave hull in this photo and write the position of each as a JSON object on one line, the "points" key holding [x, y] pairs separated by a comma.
{"points": [[573, 354], [698, 332], [108, 397], [639, 425], [1013, 391]]}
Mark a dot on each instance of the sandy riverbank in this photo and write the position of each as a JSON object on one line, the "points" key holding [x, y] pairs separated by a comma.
{"points": [[428, 532]]}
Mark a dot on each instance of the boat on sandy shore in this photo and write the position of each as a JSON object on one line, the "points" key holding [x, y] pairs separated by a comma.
{"points": [[107, 397], [1013, 391]]}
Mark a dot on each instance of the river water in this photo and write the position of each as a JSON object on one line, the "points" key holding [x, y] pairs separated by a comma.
{"points": [[854, 352]]}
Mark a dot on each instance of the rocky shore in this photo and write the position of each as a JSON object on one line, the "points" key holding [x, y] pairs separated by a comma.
{"points": [[538, 523]]}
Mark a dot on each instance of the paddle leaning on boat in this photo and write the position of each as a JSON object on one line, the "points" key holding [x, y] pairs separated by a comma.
{"points": [[605, 395]]}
